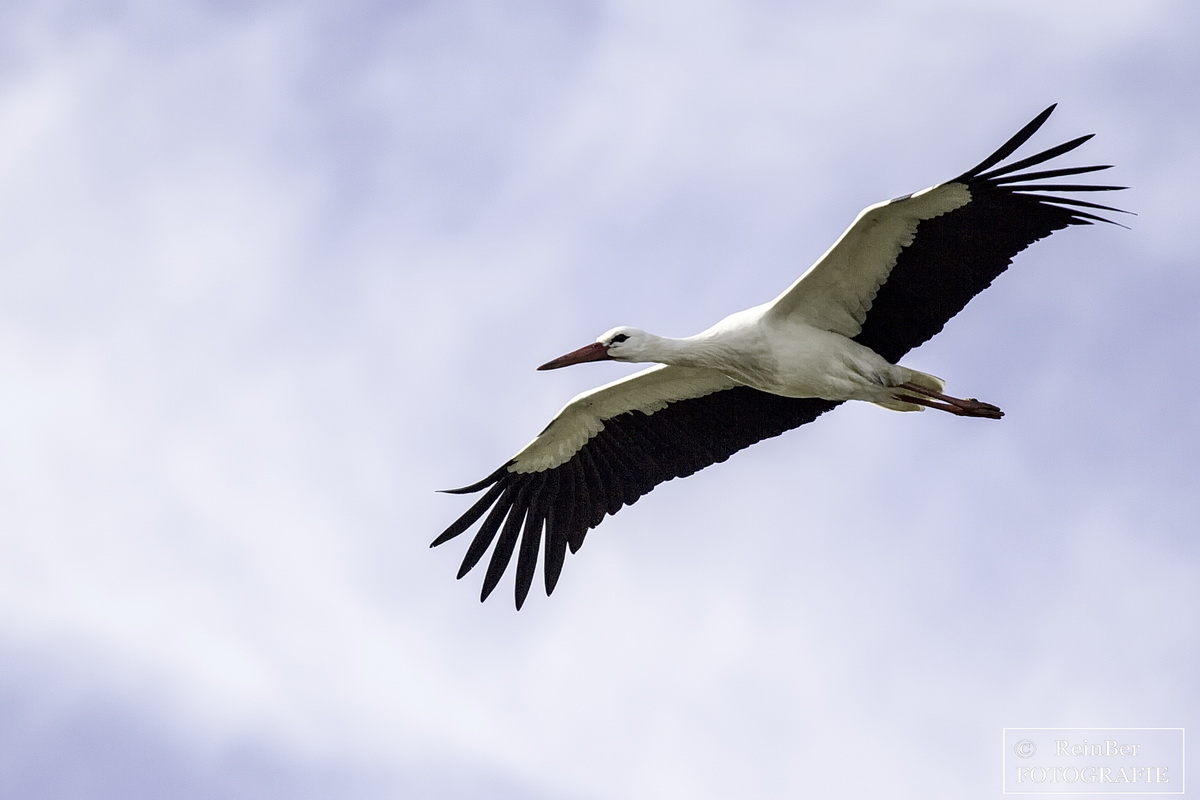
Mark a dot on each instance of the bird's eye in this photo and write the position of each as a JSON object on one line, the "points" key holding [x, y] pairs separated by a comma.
{"points": [[620, 337]]}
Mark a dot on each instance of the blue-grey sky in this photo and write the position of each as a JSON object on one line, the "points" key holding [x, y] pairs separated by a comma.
{"points": [[272, 273]]}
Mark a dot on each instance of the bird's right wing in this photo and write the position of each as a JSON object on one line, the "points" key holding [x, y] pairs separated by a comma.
{"points": [[604, 450]]}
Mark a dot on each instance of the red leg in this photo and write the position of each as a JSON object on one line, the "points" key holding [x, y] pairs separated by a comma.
{"points": [[954, 405]]}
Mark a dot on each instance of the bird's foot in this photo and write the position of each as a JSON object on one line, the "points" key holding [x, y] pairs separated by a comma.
{"points": [[977, 408], [969, 407]]}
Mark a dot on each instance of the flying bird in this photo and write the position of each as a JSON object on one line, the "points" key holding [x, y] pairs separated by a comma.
{"points": [[895, 277]]}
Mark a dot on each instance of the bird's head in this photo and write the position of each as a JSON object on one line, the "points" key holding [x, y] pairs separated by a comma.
{"points": [[619, 344]]}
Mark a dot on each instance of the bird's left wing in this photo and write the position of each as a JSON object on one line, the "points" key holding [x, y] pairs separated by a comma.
{"points": [[604, 450], [905, 267]]}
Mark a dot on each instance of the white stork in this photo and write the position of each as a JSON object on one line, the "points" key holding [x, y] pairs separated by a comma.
{"points": [[893, 279]]}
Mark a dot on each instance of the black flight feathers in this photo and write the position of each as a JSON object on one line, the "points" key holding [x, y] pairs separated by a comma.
{"points": [[634, 453], [952, 258]]}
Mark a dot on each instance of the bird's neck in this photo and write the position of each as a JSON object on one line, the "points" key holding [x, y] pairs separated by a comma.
{"points": [[694, 351]]}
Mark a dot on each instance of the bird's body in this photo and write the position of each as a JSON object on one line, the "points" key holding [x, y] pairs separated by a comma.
{"points": [[899, 272], [786, 357]]}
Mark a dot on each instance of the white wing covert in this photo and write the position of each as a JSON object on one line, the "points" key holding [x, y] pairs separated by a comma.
{"points": [[836, 293], [647, 391]]}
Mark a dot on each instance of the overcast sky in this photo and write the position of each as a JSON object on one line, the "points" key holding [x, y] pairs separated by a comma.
{"points": [[272, 273]]}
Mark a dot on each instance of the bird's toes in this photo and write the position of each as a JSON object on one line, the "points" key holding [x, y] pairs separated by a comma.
{"points": [[978, 408]]}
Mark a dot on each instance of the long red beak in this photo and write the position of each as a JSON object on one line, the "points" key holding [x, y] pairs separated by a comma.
{"points": [[592, 352]]}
